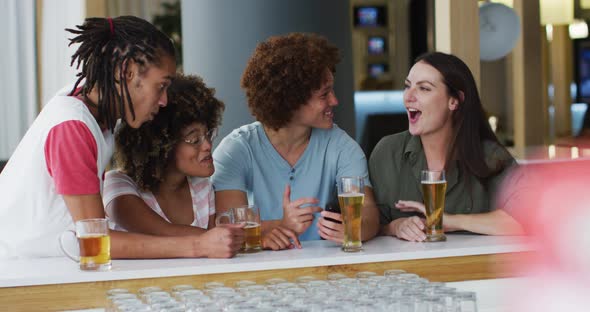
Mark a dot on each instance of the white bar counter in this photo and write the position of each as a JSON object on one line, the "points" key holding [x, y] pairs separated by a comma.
{"points": [[54, 283]]}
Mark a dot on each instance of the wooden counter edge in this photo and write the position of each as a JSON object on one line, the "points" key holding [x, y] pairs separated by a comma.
{"points": [[93, 294]]}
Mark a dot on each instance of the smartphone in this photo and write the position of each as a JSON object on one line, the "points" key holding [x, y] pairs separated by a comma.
{"points": [[333, 207]]}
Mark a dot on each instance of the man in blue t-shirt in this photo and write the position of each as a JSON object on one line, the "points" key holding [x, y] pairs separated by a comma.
{"points": [[289, 161]]}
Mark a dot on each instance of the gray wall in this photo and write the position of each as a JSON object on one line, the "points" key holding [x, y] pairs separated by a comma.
{"points": [[220, 35]]}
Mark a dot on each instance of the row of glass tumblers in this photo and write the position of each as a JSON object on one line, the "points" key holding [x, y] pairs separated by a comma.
{"points": [[395, 291]]}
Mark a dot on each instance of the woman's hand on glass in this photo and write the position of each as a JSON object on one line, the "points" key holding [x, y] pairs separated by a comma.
{"points": [[223, 241], [410, 206], [414, 206], [410, 229]]}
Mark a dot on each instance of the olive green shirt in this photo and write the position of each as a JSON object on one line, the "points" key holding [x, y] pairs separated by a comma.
{"points": [[397, 161]]}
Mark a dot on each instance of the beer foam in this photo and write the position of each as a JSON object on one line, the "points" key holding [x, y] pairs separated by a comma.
{"points": [[434, 182], [351, 194], [93, 235], [251, 224]]}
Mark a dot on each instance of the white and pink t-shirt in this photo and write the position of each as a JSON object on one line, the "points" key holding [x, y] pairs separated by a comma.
{"points": [[118, 184], [64, 152]]}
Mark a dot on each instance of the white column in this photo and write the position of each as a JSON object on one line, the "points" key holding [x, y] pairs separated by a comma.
{"points": [[55, 53], [18, 90]]}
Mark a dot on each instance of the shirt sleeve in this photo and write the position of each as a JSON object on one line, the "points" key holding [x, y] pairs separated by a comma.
{"points": [[211, 200], [496, 156], [520, 186], [351, 159], [117, 184], [71, 155], [376, 172], [231, 165]]}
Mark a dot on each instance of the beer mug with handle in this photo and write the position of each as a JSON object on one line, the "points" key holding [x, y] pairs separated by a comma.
{"points": [[250, 216], [94, 242], [351, 197], [434, 188]]}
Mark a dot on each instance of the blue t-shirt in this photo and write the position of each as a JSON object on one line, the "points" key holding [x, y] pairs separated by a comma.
{"points": [[245, 160]]}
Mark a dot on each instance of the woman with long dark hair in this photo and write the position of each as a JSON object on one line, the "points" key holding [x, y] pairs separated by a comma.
{"points": [[447, 131]]}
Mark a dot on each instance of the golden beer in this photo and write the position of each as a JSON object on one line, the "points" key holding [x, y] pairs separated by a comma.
{"points": [[252, 241], [248, 215], [350, 206], [95, 252], [434, 204]]}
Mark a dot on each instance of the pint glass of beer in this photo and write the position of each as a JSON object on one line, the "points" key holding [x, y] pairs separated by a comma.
{"points": [[94, 242], [434, 188], [351, 196], [250, 216]]}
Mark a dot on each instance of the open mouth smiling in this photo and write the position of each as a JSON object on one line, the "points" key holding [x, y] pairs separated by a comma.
{"points": [[414, 114]]}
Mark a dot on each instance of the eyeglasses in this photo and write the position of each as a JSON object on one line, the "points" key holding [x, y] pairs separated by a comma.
{"points": [[209, 136]]}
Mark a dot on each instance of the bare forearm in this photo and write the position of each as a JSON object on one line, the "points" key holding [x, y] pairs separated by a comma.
{"points": [[370, 226], [179, 230], [133, 214], [269, 225], [157, 226], [370, 223], [388, 229], [141, 246], [496, 222], [369, 230]]}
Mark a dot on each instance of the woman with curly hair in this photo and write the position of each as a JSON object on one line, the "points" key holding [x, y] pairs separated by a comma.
{"points": [[162, 185], [289, 160]]}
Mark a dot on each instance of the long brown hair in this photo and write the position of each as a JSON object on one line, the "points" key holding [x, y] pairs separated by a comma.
{"points": [[470, 126]]}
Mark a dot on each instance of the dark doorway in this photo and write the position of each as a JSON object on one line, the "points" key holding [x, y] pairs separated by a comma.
{"points": [[419, 22]]}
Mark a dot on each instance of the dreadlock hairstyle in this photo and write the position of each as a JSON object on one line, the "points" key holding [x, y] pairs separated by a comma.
{"points": [[145, 153], [106, 46]]}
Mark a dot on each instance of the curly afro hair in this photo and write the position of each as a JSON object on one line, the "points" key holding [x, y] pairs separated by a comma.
{"points": [[144, 153], [282, 74]]}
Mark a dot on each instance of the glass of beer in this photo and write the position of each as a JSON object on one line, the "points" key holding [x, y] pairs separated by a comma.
{"points": [[250, 216], [434, 188], [94, 243], [351, 197]]}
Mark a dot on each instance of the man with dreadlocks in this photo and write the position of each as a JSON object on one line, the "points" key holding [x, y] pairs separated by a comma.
{"points": [[56, 173]]}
